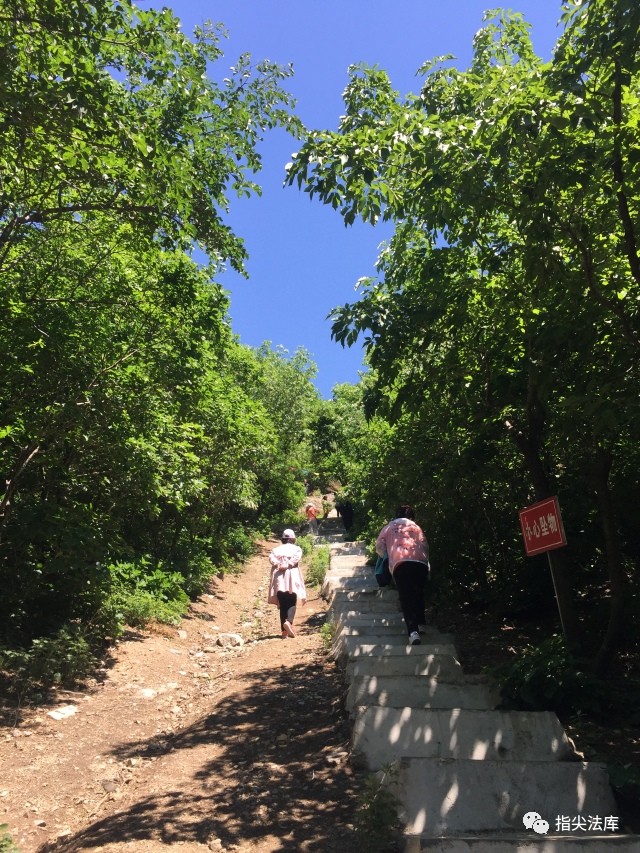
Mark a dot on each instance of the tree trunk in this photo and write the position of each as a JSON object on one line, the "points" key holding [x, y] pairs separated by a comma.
{"points": [[530, 445], [11, 483], [617, 579]]}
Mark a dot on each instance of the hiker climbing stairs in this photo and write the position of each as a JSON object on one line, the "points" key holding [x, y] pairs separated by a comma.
{"points": [[471, 778]]}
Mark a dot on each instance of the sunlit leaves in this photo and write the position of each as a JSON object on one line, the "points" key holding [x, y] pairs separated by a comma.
{"points": [[130, 430], [112, 109], [508, 300]]}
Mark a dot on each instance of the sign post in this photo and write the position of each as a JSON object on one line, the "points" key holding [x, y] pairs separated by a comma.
{"points": [[542, 530]]}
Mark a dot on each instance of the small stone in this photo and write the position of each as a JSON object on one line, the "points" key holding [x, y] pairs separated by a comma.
{"points": [[225, 640], [62, 712], [182, 634], [148, 693], [40, 823]]}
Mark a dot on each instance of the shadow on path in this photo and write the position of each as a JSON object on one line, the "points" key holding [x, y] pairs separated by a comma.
{"points": [[265, 767]]}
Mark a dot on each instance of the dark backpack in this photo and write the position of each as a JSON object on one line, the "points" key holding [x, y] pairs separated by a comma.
{"points": [[383, 575]]}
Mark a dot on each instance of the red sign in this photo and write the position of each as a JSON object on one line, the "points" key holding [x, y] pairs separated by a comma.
{"points": [[542, 527]]}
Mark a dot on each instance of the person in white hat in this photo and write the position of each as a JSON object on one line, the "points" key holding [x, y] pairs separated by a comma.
{"points": [[287, 586], [311, 511]]}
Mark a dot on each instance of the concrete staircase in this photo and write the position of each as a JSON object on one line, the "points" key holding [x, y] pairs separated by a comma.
{"points": [[470, 778]]}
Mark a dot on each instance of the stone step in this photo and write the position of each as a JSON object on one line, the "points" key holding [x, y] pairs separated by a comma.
{"points": [[346, 581], [392, 618], [362, 586], [365, 628], [347, 648], [444, 797], [346, 638], [363, 598], [348, 571], [340, 547], [467, 772], [367, 594], [340, 616], [381, 608], [410, 691], [347, 552], [383, 735], [380, 624], [525, 843], [349, 567], [444, 666]]}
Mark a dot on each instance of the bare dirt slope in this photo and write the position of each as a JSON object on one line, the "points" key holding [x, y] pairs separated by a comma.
{"points": [[183, 742]]}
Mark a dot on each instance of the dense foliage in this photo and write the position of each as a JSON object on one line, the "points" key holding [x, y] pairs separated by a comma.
{"points": [[141, 446], [503, 329]]}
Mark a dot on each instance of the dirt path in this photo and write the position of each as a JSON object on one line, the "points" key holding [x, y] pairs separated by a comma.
{"points": [[185, 742]]}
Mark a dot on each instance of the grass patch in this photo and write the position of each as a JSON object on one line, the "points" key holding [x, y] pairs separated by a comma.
{"points": [[376, 821], [327, 633], [318, 564], [62, 659], [6, 843]]}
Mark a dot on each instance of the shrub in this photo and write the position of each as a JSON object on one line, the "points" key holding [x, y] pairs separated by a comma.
{"points": [[138, 607], [307, 545], [318, 565], [549, 678], [6, 843], [140, 594], [239, 543], [376, 820], [327, 633], [61, 659]]}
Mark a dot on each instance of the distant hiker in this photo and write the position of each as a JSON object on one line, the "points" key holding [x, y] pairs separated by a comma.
{"points": [[326, 506], [311, 512], [345, 510], [287, 586], [408, 551]]}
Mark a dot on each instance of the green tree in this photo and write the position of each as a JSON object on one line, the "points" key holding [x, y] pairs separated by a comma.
{"points": [[502, 307], [133, 447], [110, 108], [285, 389]]}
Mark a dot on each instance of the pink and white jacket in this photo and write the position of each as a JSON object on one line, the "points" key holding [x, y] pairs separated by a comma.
{"points": [[402, 539], [285, 573]]}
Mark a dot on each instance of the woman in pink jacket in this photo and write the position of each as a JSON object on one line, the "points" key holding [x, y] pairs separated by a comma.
{"points": [[403, 541], [286, 586]]}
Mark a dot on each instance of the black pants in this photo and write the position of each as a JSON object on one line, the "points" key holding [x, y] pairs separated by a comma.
{"points": [[411, 578], [287, 602]]}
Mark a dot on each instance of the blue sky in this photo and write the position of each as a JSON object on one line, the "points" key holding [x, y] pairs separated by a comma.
{"points": [[302, 259]]}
